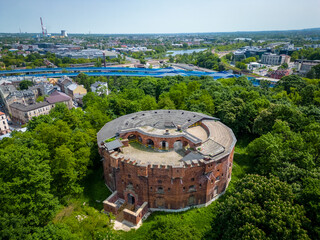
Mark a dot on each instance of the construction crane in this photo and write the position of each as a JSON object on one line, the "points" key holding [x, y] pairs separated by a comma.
{"points": [[44, 31]]}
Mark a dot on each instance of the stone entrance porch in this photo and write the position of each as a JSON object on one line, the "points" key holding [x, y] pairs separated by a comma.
{"points": [[127, 215]]}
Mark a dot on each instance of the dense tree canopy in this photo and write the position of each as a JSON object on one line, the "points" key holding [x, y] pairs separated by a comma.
{"points": [[43, 169], [25, 84], [26, 199], [260, 208]]}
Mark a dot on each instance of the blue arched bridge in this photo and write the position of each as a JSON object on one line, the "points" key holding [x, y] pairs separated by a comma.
{"points": [[114, 71], [119, 71]]}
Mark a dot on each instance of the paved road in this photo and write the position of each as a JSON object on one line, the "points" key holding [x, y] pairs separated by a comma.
{"points": [[190, 67], [132, 60]]}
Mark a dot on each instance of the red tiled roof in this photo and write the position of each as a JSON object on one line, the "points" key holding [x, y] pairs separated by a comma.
{"points": [[1, 113], [57, 96]]}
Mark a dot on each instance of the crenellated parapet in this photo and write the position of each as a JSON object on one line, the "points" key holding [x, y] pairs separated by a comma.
{"points": [[166, 159]]}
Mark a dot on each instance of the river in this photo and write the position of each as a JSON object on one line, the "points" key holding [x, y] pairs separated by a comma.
{"points": [[188, 51]]}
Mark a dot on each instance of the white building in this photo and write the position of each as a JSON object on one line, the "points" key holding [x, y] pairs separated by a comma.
{"points": [[274, 59], [100, 88], [254, 65], [4, 127]]}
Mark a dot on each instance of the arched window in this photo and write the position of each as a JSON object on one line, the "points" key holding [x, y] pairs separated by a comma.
{"points": [[177, 145], [132, 137], [160, 190], [150, 143], [164, 145], [191, 200], [192, 188], [215, 191]]}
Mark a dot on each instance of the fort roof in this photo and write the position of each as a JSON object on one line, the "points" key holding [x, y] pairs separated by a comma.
{"points": [[213, 139], [155, 118]]}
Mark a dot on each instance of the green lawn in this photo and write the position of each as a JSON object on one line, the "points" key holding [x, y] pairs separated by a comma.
{"points": [[198, 217], [241, 162], [95, 190]]}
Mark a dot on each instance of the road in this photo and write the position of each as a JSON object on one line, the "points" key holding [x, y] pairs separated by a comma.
{"points": [[191, 67], [132, 60]]}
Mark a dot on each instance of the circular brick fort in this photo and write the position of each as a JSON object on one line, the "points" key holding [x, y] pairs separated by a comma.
{"points": [[166, 160]]}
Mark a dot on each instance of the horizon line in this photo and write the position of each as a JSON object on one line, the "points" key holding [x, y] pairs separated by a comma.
{"points": [[239, 31]]}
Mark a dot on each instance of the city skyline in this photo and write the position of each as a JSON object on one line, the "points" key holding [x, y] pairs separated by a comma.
{"points": [[145, 17]]}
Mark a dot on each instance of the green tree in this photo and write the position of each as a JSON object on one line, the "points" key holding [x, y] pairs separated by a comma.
{"points": [[87, 223], [172, 228], [288, 83], [165, 102], [286, 112], [310, 196], [26, 201], [272, 150], [241, 65], [260, 208], [314, 72], [249, 60], [40, 99], [25, 84], [55, 232], [148, 103]]}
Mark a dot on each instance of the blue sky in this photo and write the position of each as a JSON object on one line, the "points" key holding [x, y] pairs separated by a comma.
{"points": [[161, 16]]}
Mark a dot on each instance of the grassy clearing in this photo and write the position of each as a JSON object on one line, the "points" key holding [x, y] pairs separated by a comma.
{"points": [[199, 217], [95, 190], [241, 162]]}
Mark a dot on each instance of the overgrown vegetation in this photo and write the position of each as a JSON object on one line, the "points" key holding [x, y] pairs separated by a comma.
{"points": [[52, 186]]}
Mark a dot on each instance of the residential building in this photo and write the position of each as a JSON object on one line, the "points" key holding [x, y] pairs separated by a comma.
{"points": [[25, 97], [63, 83], [100, 88], [74, 90], [64, 33], [23, 113], [4, 127], [59, 97], [6, 89], [43, 88]]}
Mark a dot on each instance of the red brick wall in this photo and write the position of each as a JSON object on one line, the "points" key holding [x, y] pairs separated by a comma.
{"points": [[143, 182], [109, 208], [157, 140], [133, 218]]}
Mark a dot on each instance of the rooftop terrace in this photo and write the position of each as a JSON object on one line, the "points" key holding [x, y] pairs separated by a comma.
{"points": [[148, 156], [216, 140]]}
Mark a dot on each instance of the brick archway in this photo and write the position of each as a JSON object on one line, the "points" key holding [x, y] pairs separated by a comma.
{"points": [[177, 145], [132, 137], [131, 194], [150, 143], [164, 145]]}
